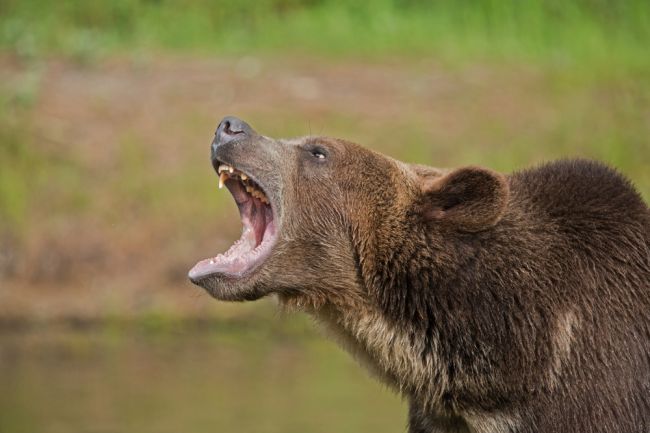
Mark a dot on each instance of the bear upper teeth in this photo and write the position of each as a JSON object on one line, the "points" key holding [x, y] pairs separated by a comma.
{"points": [[226, 171]]}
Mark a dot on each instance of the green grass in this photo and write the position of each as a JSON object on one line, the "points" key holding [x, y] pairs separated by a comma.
{"points": [[590, 33]]}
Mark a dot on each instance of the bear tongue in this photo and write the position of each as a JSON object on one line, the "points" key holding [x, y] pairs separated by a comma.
{"points": [[254, 216], [238, 192]]}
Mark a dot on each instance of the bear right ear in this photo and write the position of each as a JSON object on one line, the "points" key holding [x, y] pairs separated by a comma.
{"points": [[470, 199]]}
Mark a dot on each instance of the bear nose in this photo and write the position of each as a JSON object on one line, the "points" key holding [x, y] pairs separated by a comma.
{"points": [[231, 128]]}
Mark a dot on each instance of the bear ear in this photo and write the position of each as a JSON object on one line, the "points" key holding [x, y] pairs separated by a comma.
{"points": [[470, 198]]}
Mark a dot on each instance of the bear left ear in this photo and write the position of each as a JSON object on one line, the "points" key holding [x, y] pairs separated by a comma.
{"points": [[470, 198]]}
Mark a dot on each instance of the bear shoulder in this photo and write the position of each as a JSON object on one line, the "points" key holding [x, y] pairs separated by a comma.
{"points": [[579, 188]]}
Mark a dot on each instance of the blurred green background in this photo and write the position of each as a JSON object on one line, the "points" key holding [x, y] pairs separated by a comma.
{"points": [[107, 196]]}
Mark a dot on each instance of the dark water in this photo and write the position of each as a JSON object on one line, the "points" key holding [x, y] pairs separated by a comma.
{"points": [[198, 380]]}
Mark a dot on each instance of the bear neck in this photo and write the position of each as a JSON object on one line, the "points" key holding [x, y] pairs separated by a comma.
{"points": [[412, 279]]}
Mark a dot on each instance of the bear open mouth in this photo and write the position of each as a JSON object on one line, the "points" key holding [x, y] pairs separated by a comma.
{"points": [[258, 233]]}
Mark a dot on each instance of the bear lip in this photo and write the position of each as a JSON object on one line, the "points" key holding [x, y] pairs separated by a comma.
{"points": [[259, 233]]}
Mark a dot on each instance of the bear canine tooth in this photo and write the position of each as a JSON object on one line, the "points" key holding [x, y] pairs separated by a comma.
{"points": [[243, 176], [222, 178]]}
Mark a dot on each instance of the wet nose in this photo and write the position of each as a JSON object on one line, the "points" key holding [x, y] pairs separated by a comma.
{"points": [[231, 128]]}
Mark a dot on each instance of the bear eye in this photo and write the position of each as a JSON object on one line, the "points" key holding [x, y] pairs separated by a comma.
{"points": [[318, 153]]}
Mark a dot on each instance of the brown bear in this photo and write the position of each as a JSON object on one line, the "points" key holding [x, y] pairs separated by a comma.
{"points": [[492, 302]]}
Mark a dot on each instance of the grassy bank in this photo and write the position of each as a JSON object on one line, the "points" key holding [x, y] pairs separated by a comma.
{"points": [[588, 33]]}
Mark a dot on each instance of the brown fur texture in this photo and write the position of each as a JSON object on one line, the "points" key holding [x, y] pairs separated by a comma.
{"points": [[493, 303]]}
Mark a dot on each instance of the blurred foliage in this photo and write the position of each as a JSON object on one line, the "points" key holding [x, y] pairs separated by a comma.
{"points": [[580, 32], [16, 156], [27, 168]]}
